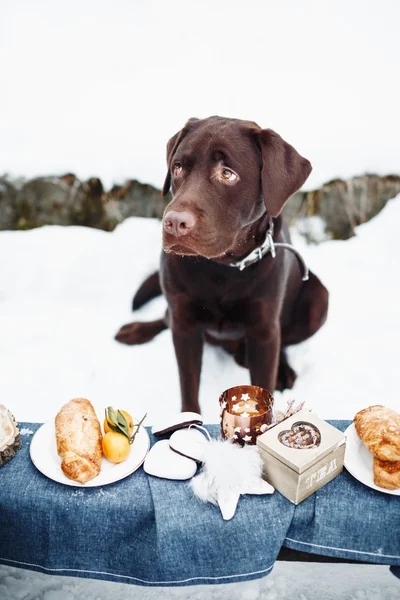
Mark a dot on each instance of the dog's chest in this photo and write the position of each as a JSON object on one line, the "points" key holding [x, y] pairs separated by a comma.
{"points": [[221, 313], [221, 298]]}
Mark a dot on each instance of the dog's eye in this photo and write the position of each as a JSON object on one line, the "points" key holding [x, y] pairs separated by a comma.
{"points": [[177, 169], [228, 175]]}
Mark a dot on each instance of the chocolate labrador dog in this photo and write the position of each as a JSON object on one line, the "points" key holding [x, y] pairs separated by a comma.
{"points": [[226, 271]]}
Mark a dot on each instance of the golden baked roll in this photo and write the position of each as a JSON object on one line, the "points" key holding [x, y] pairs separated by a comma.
{"points": [[78, 436], [378, 427], [387, 473]]}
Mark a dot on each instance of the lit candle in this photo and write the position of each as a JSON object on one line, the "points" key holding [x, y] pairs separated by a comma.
{"points": [[246, 408]]}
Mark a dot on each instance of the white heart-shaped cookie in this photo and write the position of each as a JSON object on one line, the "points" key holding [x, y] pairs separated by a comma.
{"points": [[189, 442], [163, 462]]}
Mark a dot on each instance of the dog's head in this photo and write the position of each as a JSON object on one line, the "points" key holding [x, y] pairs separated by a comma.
{"points": [[225, 174]]}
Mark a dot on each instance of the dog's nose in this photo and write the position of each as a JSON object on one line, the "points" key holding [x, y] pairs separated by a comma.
{"points": [[178, 222]]}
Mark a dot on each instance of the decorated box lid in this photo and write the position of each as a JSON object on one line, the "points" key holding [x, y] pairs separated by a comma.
{"points": [[301, 441]]}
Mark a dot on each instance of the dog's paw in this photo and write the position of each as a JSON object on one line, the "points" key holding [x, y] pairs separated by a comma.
{"points": [[286, 376], [133, 334]]}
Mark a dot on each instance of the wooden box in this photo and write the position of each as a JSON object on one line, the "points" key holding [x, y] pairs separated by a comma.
{"points": [[301, 454]]}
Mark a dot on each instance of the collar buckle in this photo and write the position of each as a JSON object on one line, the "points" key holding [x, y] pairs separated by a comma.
{"points": [[269, 246]]}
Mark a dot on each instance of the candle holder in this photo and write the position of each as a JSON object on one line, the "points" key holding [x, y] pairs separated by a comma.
{"points": [[246, 412]]}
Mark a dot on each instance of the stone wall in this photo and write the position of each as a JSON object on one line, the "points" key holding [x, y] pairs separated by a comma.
{"points": [[343, 204], [66, 200]]}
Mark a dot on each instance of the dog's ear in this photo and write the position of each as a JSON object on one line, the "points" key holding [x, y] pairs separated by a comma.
{"points": [[172, 146], [283, 170]]}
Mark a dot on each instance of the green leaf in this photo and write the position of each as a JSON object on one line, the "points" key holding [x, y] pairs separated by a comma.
{"points": [[112, 415], [117, 422], [122, 421], [117, 429]]}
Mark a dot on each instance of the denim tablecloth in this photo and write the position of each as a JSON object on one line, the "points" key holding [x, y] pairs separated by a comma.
{"points": [[150, 531]]}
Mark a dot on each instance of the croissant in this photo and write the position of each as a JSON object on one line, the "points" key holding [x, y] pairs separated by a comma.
{"points": [[78, 436], [378, 427], [387, 473]]}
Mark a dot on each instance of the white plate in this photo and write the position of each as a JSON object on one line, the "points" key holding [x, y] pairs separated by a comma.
{"points": [[358, 460], [43, 451]]}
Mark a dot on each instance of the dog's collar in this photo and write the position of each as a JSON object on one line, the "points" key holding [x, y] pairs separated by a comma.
{"points": [[268, 247]]}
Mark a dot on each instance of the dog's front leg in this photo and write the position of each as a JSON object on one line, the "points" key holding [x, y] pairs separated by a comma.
{"points": [[187, 335], [263, 350], [189, 351]]}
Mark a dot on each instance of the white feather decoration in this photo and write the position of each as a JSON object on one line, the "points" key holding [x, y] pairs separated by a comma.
{"points": [[228, 472]]}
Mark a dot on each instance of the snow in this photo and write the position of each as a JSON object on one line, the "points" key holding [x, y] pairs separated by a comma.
{"points": [[288, 580], [64, 292], [103, 98]]}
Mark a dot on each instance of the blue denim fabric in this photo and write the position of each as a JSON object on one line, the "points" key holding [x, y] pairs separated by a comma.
{"points": [[140, 530], [149, 531], [346, 519]]}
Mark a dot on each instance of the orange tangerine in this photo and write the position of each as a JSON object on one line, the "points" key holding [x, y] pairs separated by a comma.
{"points": [[116, 447], [128, 418]]}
